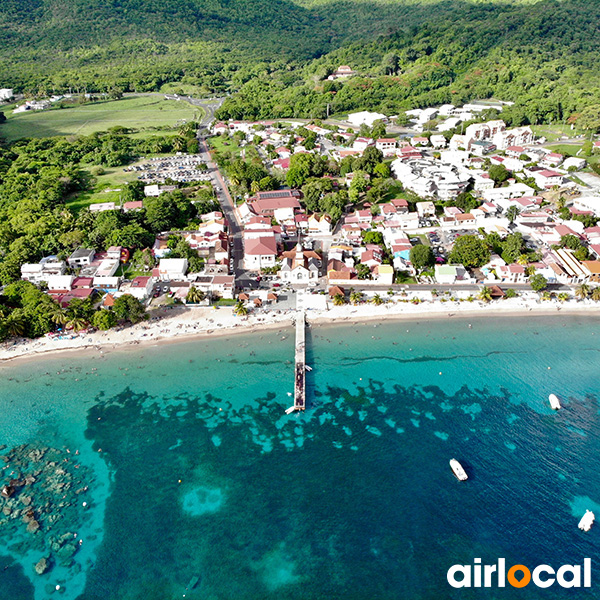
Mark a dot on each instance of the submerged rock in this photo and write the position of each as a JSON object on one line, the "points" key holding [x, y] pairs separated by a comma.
{"points": [[33, 526], [41, 566]]}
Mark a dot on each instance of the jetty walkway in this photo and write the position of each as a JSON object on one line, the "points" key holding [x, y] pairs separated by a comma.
{"points": [[300, 360]]}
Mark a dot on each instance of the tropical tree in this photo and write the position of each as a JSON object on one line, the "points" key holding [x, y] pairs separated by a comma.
{"points": [[421, 256], [76, 324], [546, 295], [512, 213], [596, 294], [377, 300], [470, 251], [563, 296], [59, 316], [583, 291], [356, 297], [195, 295], [538, 282], [339, 300], [16, 324], [240, 309], [363, 271], [485, 294], [104, 319], [523, 259]]}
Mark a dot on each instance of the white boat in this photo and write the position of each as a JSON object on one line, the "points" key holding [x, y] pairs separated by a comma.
{"points": [[554, 401], [458, 470], [308, 368], [290, 410], [586, 521]]}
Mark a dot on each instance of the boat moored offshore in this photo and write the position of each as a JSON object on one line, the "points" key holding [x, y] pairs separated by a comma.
{"points": [[554, 401], [586, 521], [458, 470]]}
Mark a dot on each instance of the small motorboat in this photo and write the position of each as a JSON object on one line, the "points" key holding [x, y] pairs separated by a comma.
{"points": [[554, 402], [586, 521]]}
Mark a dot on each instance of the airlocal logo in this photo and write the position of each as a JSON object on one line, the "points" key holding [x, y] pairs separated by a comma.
{"points": [[519, 576]]}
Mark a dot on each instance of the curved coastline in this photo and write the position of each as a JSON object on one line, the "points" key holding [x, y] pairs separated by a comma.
{"points": [[187, 324]]}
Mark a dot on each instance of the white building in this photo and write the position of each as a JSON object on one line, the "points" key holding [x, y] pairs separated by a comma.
{"points": [[172, 269], [368, 118]]}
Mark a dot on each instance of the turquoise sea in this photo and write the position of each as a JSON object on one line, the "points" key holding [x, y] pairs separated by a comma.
{"points": [[153, 466]]}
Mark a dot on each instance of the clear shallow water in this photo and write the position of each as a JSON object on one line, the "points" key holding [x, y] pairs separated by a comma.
{"points": [[194, 469]]}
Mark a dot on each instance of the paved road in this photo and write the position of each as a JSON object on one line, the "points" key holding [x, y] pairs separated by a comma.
{"points": [[228, 208]]}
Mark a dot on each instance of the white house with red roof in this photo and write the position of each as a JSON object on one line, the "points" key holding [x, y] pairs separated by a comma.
{"points": [[259, 252], [386, 145], [401, 205], [547, 178], [141, 287], [513, 273], [319, 224], [361, 144], [552, 159]]}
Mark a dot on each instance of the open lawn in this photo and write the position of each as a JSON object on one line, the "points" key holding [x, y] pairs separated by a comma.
{"points": [[136, 112], [113, 178], [554, 132]]}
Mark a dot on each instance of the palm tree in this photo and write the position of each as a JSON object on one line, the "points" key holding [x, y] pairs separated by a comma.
{"points": [[546, 296], [16, 325], [255, 187], [523, 259], [195, 296], [179, 143], [485, 294], [583, 291], [563, 296], [76, 324], [355, 297], [339, 300], [376, 300], [596, 294], [58, 316], [240, 309], [390, 292]]}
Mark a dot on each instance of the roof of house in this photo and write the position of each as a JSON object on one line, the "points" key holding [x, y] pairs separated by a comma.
{"points": [[335, 290], [593, 266], [109, 300], [261, 246], [140, 282]]}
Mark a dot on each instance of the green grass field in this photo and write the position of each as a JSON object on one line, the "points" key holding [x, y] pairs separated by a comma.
{"points": [[112, 179], [137, 112]]}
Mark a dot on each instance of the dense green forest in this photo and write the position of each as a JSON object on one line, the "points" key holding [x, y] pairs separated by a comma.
{"points": [[278, 53]]}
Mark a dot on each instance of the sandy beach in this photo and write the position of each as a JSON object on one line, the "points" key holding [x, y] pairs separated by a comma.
{"points": [[181, 323]]}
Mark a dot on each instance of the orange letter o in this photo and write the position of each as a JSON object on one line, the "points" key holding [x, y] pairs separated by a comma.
{"points": [[514, 581]]}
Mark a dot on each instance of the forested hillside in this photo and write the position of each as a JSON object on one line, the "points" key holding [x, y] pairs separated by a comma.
{"points": [[278, 53]]}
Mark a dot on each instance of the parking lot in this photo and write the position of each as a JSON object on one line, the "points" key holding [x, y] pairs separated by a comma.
{"points": [[178, 168]]}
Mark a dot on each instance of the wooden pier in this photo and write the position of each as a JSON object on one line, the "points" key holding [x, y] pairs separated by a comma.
{"points": [[300, 373]]}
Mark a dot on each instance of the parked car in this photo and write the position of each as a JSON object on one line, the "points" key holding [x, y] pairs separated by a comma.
{"points": [[165, 289]]}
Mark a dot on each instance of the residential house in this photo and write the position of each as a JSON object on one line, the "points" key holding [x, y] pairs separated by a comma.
{"points": [[102, 206], [319, 225], [172, 269], [361, 144], [448, 274], [425, 209], [260, 252], [81, 257], [141, 287], [387, 146], [133, 206]]}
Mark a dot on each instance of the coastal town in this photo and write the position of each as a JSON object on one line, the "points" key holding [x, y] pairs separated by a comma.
{"points": [[440, 206]]}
